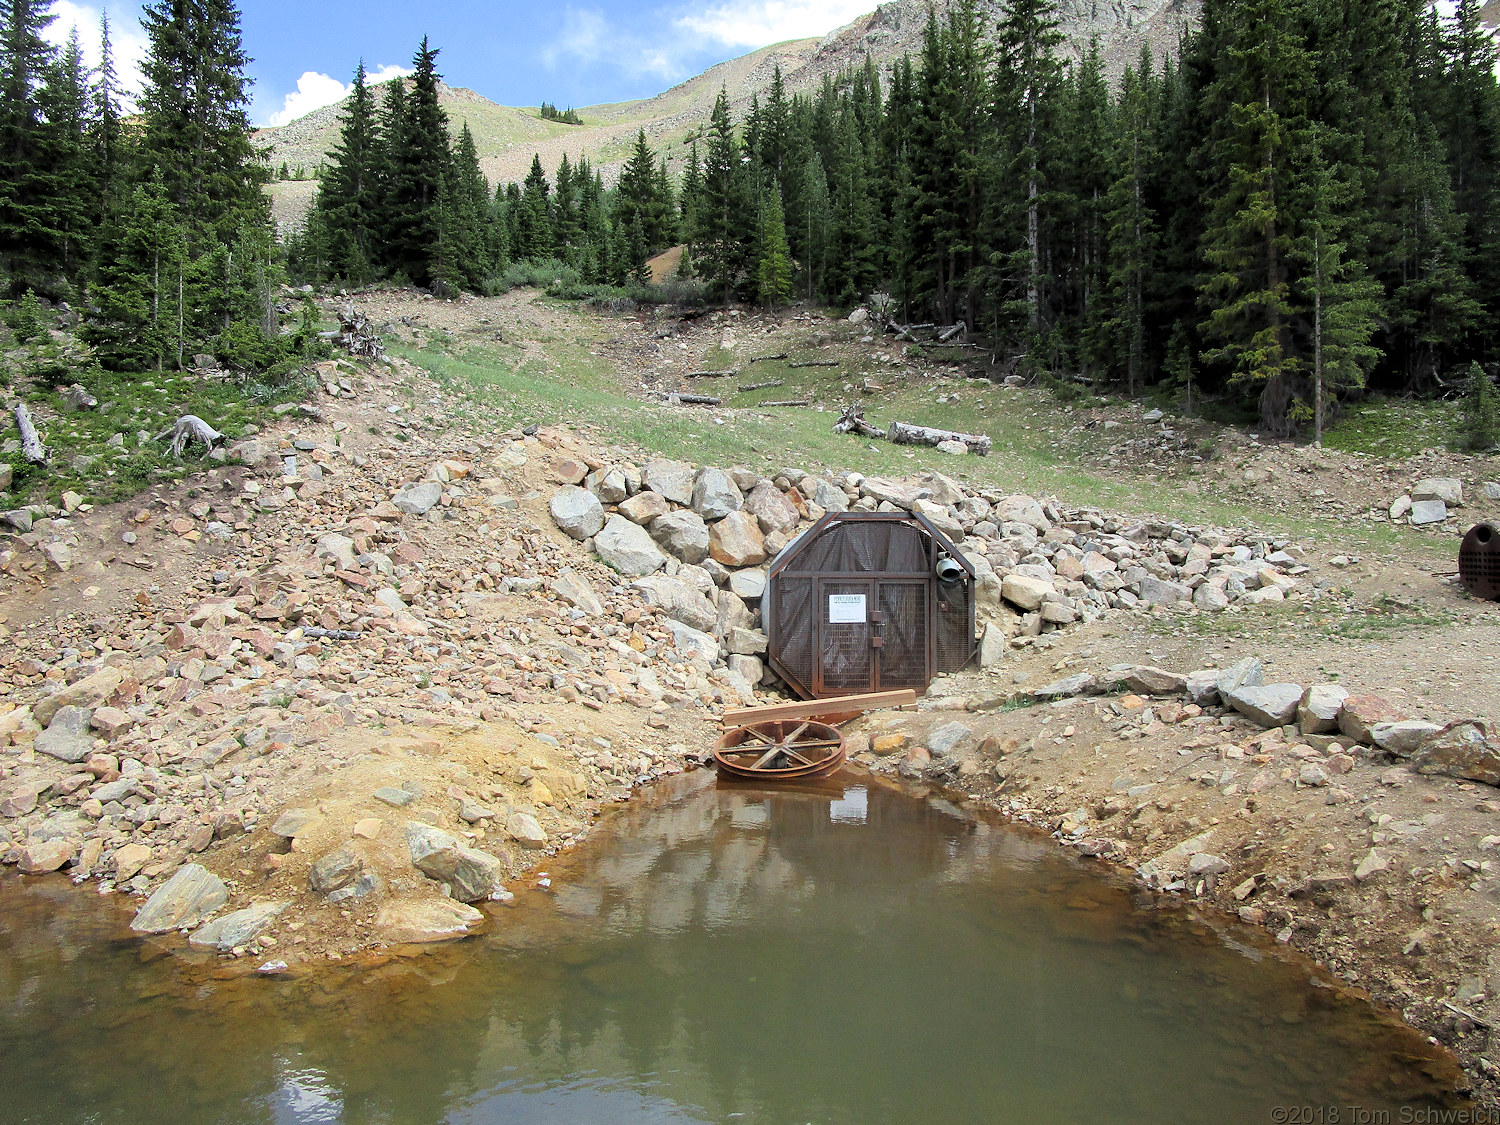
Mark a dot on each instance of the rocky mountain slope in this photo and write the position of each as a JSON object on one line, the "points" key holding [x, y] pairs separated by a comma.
{"points": [[507, 137]]}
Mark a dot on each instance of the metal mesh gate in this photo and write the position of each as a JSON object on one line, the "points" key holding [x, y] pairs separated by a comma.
{"points": [[893, 623]]}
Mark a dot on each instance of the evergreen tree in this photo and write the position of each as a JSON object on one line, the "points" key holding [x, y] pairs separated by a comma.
{"points": [[348, 195], [720, 242], [1026, 83], [1260, 99], [640, 197], [1481, 412], [142, 258], [29, 239], [774, 271], [194, 129], [535, 240], [1132, 223], [1343, 298], [419, 174]]}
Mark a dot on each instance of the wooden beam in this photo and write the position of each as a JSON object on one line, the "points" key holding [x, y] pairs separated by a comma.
{"points": [[837, 705]]}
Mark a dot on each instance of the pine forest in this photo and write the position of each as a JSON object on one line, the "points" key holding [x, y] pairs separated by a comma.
{"points": [[1299, 204]]}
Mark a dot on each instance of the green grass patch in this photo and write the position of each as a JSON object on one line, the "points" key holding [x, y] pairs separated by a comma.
{"points": [[136, 407], [1394, 429]]}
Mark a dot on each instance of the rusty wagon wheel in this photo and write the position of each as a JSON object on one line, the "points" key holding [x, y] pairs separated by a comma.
{"points": [[781, 748]]}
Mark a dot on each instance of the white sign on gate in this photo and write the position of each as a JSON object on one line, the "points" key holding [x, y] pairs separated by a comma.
{"points": [[846, 609]]}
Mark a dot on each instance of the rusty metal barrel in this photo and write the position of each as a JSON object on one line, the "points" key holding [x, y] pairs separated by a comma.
{"points": [[1479, 562]]}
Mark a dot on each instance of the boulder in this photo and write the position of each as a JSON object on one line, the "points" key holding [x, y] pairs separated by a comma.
{"points": [[748, 584], [644, 507], [1461, 749], [694, 646], [1318, 713], [771, 509], [1361, 713], [67, 737], [678, 600], [1271, 705], [1428, 511], [1157, 591], [577, 511], [948, 738], [884, 491], [736, 540], [1447, 489], [1404, 738], [829, 497], [184, 900], [1066, 687], [672, 479], [747, 642], [236, 930], [610, 485], [682, 535], [577, 591], [418, 499], [339, 548], [88, 692], [1146, 680], [939, 517], [470, 874], [1210, 598], [111, 722], [428, 920], [38, 857], [993, 643], [715, 494], [1203, 687], [1247, 673], [335, 870], [628, 548], [523, 828], [1023, 510], [1024, 591]]}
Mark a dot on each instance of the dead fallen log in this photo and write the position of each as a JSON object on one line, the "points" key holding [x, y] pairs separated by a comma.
{"points": [[766, 358], [694, 400], [852, 421], [746, 388], [787, 402], [959, 331], [190, 428], [31, 443], [814, 363], [903, 433], [733, 371]]}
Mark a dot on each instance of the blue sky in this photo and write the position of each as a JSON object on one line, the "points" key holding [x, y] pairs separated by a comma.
{"points": [[576, 54]]}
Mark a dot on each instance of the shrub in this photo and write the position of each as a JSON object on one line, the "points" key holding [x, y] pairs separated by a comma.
{"points": [[1481, 412], [26, 319]]}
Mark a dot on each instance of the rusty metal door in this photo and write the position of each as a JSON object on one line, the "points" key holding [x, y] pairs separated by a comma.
{"points": [[846, 664], [903, 659]]}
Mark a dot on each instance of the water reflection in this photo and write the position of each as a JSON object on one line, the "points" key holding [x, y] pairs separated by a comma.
{"points": [[838, 953]]}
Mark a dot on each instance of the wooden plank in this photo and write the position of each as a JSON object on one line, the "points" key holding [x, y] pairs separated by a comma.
{"points": [[837, 705]]}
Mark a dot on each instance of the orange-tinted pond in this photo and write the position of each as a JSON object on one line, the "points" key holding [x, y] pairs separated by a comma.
{"points": [[844, 954]]}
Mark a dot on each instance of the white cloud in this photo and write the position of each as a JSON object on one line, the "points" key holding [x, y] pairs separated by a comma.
{"points": [[759, 23], [588, 39], [127, 39], [315, 90]]}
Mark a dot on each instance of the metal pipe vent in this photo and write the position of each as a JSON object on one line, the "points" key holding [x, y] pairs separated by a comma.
{"points": [[1479, 562]]}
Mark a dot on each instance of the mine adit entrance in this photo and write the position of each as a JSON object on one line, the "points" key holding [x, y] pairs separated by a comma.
{"points": [[868, 601]]}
